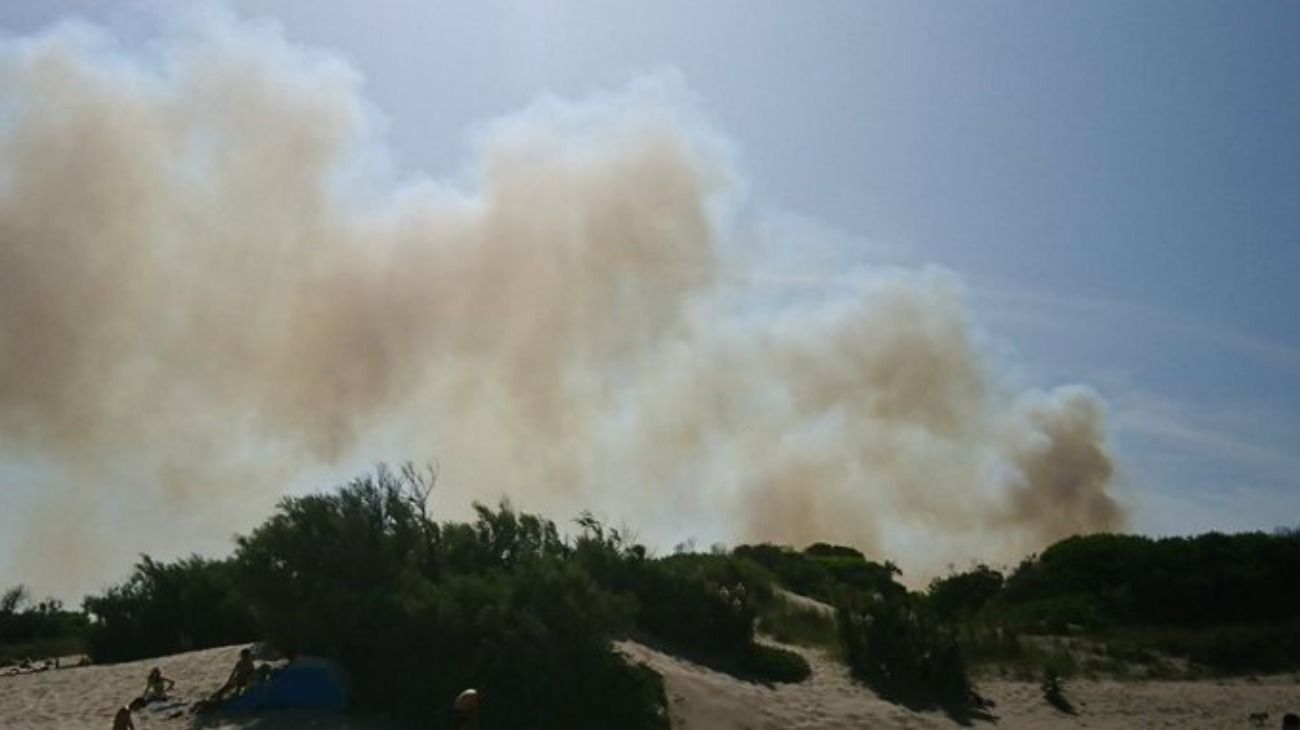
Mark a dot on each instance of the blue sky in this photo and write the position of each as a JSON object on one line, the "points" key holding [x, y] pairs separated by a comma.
{"points": [[1116, 183]]}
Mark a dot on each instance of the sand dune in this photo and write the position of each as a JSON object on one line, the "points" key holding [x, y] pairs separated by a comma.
{"points": [[700, 699]]}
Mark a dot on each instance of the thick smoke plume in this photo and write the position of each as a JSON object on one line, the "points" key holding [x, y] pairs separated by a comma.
{"points": [[213, 290]]}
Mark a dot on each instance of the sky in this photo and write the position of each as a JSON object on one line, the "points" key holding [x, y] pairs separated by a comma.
{"points": [[1115, 187]]}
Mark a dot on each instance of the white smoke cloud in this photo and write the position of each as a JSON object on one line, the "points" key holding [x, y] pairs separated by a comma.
{"points": [[210, 290]]}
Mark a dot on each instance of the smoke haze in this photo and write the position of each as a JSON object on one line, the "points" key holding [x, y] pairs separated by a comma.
{"points": [[213, 289]]}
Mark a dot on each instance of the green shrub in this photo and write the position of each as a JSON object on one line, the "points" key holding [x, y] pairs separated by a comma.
{"points": [[419, 611], [1053, 688], [37, 629], [962, 595], [903, 653], [825, 572], [678, 602], [1064, 614], [704, 604], [164, 608], [1231, 649], [1128, 580], [774, 664]]}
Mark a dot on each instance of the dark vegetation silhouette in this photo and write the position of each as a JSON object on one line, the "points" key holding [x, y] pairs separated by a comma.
{"points": [[1100, 581], [961, 596], [1053, 688], [704, 605], [417, 610], [164, 607], [898, 646], [891, 638], [825, 572], [1226, 603], [30, 629]]}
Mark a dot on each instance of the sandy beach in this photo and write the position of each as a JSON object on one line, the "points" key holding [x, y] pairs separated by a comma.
{"points": [[700, 698]]}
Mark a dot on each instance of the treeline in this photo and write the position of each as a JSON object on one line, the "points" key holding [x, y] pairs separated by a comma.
{"points": [[1105, 581], [164, 608], [32, 630], [1118, 580], [1228, 603], [417, 610]]}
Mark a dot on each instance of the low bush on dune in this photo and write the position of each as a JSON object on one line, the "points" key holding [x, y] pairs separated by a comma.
{"points": [[706, 605], [903, 651], [1230, 650], [774, 664], [824, 572], [960, 596], [892, 640]]}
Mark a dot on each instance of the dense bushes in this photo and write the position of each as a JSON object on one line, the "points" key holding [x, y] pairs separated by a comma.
{"points": [[892, 640], [168, 607], [1187, 581], [36, 629], [825, 572], [1228, 649], [889, 638], [704, 604], [903, 652], [419, 611], [961, 595], [1225, 602]]}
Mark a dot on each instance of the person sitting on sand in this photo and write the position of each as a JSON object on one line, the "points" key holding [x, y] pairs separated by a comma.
{"points": [[240, 677], [157, 686], [122, 720]]}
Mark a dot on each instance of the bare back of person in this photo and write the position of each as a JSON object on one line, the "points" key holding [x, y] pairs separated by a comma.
{"points": [[239, 680], [122, 720]]}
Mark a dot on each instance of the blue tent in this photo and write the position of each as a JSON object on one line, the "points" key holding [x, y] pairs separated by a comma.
{"points": [[307, 683]]}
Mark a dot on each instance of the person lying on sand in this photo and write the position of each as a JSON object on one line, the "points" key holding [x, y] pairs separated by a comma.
{"points": [[157, 686], [122, 720]]}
